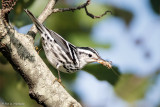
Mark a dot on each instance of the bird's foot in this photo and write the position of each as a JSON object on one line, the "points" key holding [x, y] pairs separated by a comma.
{"points": [[58, 80], [36, 47]]}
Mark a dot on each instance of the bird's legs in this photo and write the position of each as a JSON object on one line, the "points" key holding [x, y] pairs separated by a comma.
{"points": [[59, 77]]}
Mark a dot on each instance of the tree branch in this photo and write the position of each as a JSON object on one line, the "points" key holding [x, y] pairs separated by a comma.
{"points": [[49, 10], [42, 84], [25, 60], [80, 7], [71, 9], [93, 16], [7, 6]]}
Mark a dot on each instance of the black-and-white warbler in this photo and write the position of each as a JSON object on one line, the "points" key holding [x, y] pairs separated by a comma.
{"points": [[61, 54]]}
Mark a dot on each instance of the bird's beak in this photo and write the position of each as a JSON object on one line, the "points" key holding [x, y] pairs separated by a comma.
{"points": [[103, 62]]}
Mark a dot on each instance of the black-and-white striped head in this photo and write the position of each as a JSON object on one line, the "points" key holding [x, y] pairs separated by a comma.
{"points": [[87, 55]]}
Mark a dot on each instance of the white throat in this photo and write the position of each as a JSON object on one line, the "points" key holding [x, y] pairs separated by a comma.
{"points": [[83, 57]]}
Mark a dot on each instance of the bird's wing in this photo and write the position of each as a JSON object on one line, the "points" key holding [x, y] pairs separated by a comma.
{"points": [[67, 47], [40, 27]]}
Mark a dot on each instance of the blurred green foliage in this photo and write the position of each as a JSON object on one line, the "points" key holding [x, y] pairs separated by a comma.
{"points": [[103, 73], [124, 14], [133, 87], [76, 28], [155, 5]]}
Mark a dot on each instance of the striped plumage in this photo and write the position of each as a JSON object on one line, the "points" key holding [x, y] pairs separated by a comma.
{"points": [[60, 53]]}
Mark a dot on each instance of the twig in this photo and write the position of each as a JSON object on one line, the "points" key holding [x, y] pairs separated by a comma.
{"points": [[49, 10], [93, 16], [71, 9], [80, 7]]}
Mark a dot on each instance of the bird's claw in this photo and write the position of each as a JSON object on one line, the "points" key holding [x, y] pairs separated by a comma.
{"points": [[36, 47], [58, 80]]}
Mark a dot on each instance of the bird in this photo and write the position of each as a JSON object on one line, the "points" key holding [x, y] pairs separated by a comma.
{"points": [[63, 55]]}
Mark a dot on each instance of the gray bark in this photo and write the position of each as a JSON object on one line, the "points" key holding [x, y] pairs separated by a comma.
{"points": [[43, 87]]}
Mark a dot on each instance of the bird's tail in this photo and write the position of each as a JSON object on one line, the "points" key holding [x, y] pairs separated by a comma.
{"points": [[40, 27]]}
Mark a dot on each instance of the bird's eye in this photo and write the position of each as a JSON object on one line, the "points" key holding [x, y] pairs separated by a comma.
{"points": [[89, 55]]}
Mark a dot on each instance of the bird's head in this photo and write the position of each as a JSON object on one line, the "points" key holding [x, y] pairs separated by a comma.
{"points": [[89, 55]]}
